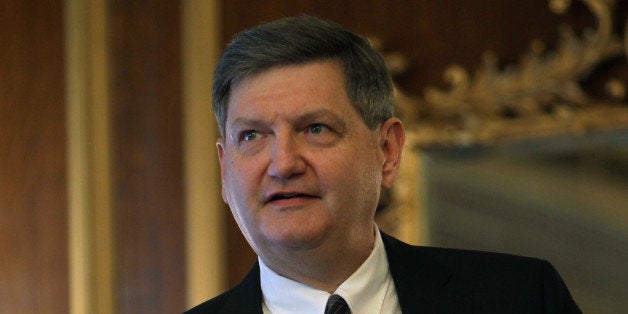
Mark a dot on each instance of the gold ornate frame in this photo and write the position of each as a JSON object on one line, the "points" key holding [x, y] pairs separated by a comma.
{"points": [[539, 97]]}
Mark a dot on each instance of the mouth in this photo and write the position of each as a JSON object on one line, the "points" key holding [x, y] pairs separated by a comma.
{"points": [[286, 196]]}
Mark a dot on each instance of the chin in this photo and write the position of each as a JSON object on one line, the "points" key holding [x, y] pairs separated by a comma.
{"points": [[296, 237]]}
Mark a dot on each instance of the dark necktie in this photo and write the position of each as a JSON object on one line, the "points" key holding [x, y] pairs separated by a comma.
{"points": [[336, 305]]}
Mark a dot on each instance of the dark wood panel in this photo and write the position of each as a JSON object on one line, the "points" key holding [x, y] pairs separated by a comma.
{"points": [[147, 154], [33, 202]]}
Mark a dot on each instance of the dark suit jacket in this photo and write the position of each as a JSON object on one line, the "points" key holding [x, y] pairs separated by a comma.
{"points": [[437, 280]]}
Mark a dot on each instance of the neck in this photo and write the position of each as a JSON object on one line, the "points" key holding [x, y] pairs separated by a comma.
{"points": [[324, 268]]}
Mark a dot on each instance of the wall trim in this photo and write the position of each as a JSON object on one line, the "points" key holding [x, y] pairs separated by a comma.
{"points": [[90, 215], [205, 212]]}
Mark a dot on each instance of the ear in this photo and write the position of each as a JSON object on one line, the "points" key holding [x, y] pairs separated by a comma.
{"points": [[220, 146], [392, 138]]}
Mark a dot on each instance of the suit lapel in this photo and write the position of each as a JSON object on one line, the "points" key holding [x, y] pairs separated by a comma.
{"points": [[419, 280]]}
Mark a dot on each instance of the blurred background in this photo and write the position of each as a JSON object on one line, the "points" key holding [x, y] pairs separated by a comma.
{"points": [[109, 188]]}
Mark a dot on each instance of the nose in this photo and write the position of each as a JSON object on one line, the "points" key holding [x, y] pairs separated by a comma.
{"points": [[286, 158]]}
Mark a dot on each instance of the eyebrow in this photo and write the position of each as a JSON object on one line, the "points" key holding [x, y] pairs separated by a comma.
{"points": [[321, 113], [299, 120]]}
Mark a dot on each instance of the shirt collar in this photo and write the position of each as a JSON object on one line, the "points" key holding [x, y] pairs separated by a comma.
{"points": [[364, 290]]}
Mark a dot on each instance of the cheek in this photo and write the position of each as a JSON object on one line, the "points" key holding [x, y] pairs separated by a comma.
{"points": [[238, 194], [370, 173], [358, 177], [233, 181]]}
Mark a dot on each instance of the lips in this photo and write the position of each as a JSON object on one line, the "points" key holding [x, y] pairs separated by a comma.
{"points": [[281, 196], [284, 196]]}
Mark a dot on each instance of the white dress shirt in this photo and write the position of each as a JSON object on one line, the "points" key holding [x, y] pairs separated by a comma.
{"points": [[369, 290]]}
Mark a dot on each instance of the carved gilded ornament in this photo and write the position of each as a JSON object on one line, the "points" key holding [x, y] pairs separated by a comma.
{"points": [[540, 96]]}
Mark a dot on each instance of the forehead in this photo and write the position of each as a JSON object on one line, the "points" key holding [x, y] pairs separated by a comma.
{"points": [[291, 89]]}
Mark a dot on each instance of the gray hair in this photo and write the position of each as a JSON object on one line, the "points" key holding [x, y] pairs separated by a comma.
{"points": [[299, 40]]}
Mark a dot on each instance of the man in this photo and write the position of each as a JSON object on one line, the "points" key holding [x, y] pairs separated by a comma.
{"points": [[309, 140]]}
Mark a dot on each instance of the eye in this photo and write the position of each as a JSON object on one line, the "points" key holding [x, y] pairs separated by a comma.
{"points": [[317, 128], [249, 135], [320, 135]]}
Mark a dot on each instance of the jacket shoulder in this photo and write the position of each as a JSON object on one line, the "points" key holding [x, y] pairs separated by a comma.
{"points": [[214, 305], [468, 262], [485, 281], [246, 297]]}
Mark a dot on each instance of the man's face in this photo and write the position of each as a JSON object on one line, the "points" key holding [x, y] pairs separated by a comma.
{"points": [[300, 169]]}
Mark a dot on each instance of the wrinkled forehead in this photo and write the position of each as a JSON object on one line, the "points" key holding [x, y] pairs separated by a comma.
{"points": [[247, 77], [284, 80]]}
